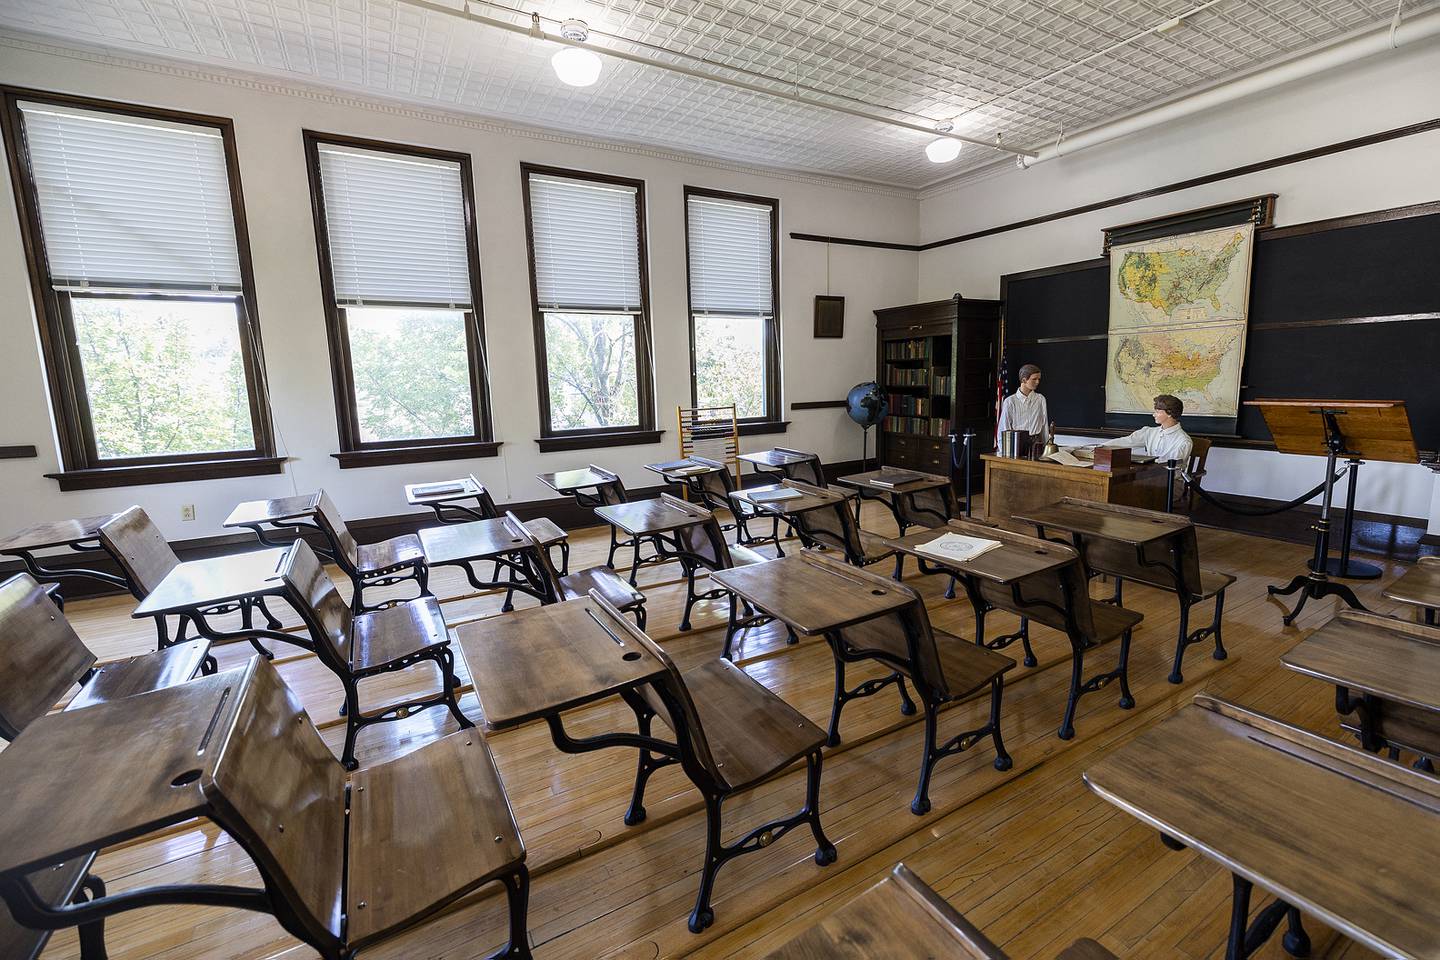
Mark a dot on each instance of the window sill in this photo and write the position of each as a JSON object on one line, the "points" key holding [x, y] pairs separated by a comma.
{"points": [[756, 428], [587, 441], [389, 456], [96, 478]]}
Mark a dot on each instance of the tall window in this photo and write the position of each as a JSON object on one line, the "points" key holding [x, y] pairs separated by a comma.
{"points": [[734, 302], [400, 268], [140, 270], [592, 325]]}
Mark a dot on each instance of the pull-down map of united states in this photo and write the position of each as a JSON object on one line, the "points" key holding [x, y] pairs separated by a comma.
{"points": [[1178, 309]]}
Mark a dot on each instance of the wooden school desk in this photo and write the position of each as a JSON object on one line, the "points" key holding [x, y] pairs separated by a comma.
{"points": [[1014, 487]]}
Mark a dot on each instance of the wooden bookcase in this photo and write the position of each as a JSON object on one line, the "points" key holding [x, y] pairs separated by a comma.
{"points": [[935, 362]]}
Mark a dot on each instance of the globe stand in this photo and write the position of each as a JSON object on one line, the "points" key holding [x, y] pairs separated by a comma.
{"points": [[865, 447]]}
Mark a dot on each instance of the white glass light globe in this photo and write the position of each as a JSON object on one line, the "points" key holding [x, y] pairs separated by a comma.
{"points": [[942, 150], [576, 66]]}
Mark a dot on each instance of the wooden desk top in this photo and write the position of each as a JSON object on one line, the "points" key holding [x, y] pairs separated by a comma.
{"points": [[568, 481], [1338, 833], [463, 542], [814, 594], [811, 498], [131, 751], [680, 469], [640, 517], [1420, 585], [1050, 466], [772, 458], [1390, 658], [1006, 563], [1091, 519], [468, 488], [545, 660], [55, 533], [866, 481], [196, 584], [899, 918], [270, 511]]}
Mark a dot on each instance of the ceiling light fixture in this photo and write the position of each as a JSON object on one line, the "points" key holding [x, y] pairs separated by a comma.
{"points": [[944, 149], [575, 65]]}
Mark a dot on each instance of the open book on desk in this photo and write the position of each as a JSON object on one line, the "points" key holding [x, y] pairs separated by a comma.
{"points": [[957, 548], [1067, 458]]}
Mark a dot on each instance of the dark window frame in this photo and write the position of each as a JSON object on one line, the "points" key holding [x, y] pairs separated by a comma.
{"points": [[81, 465], [771, 421], [644, 432], [355, 452]]}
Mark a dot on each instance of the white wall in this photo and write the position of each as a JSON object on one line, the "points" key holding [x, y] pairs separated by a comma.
{"points": [[1399, 88], [268, 120]]}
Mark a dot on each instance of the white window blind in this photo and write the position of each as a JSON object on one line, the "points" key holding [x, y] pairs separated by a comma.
{"points": [[396, 224], [586, 239], [131, 203], [730, 257]]}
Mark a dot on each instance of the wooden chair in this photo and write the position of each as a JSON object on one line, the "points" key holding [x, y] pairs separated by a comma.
{"points": [[715, 491], [380, 564], [902, 918], [342, 867], [835, 527], [704, 547], [146, 559], [732, 734], [1058, 598], [358, 646], [42, 658], [943, 669], [810, 470], [1171, 564], [1195, 469], [558, 587]]}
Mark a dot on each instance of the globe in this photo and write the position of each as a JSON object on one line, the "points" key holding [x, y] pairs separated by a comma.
{"points": [[866, 404]]}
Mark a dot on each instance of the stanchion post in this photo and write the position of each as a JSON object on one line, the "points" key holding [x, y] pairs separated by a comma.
{"points": [[1170, 468], [969, 445]]}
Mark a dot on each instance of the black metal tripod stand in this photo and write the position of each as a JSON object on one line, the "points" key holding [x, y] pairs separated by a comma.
{"points": [[1316, 582]]}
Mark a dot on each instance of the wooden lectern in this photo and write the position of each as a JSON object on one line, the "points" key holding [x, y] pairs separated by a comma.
{"points": [[1372, 429]]}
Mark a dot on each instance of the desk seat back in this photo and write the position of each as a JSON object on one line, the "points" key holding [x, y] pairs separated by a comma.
{"points": [[903, 639], [808, 470], [704, 541], [485, 503], [833, 525], [141, 550], [717, 485], [312, 593], [538, 555], [342, 541], [41, 656], [612, 491], [926, 508], [670, 699], [1159, 560], [1058, 597], [273, 784]]}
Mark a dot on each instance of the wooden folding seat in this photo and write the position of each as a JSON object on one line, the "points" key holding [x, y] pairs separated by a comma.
{"points": [[943, 669], [703, 546], [809, 470], [41, 658], [1171, 564], [902, 918], [716, 488], [146, 559], [379, 564], [358, 646], [342, 867], [558, 587], [1058, 598], [732, 734], [835, 527]]}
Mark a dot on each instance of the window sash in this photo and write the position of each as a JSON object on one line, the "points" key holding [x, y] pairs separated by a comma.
{"points": [[731, 256], [127, 202], [396, 227], [585, 245], [640, 362]]}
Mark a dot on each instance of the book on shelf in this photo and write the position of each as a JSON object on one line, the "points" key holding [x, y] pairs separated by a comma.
{"points": [[957, 548]]}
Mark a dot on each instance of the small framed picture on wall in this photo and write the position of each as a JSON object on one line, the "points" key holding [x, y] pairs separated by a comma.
{"points": [[829, 316]]}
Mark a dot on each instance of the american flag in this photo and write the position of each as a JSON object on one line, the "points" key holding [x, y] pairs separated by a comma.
{"points": [[1000, 379]]}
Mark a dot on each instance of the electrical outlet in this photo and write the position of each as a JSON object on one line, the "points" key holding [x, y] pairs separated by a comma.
{"points": [[187, 511]]}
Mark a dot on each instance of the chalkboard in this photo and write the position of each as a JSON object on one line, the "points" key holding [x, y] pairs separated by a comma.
{"points": [[1346, 309]]}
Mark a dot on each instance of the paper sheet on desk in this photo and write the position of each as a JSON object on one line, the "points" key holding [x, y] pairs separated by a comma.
{"points": [[957, 548]]}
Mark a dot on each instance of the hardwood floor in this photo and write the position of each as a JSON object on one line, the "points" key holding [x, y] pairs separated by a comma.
{"points": [[1028, 855]]}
